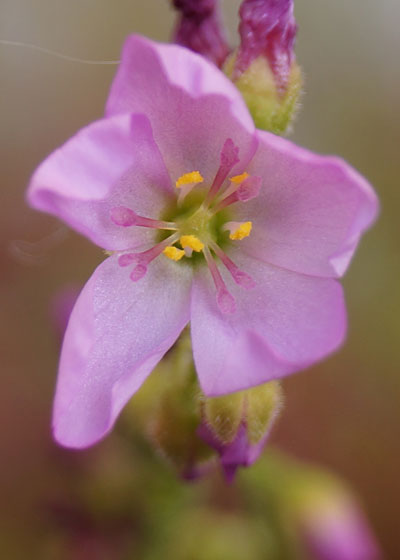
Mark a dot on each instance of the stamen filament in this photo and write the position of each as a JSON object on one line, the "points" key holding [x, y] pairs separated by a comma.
{"points": [[225, 300]]}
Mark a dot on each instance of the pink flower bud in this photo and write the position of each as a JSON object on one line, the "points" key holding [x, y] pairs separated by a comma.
{"points": [[336, 529], [200, 30], [237, 426], [267, 28]]}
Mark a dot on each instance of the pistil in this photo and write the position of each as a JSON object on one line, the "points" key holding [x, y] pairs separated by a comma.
{"points": [[125, 217], [240, 277], [247, 190], [229, 158], [143, 259], [225, 300]]}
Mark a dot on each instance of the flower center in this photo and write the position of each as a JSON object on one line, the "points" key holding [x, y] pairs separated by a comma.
{"points": [[198, 224]]}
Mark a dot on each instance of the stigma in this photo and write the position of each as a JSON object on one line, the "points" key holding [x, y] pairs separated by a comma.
{"points": [[199, 228]]}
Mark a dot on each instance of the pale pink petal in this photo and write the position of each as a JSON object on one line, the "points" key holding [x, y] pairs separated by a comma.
{"points": [[193, 108], [117, 333], [111, 162], [311, 210], [287, 322]]}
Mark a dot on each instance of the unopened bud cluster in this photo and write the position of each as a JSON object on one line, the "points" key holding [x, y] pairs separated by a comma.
{"points": [[191, 430], [263, 67]]}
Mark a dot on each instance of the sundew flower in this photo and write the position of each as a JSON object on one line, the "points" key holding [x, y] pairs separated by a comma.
{"points": [[206, 220]]}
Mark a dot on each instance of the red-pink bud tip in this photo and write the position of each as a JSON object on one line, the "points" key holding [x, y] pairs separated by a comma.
{"points": [[267, 28], [200, 29]]}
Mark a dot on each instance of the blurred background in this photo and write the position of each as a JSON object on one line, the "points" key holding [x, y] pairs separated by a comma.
{"points": [[343, 414]]}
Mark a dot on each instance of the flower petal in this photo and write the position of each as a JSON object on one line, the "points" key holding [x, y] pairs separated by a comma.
{"points": [[111, 162], [193, 108], [117, 333], [287, 322], [311, 210]]}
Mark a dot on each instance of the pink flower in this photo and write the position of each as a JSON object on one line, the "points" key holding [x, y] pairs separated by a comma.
{"points": [[254, 231]]}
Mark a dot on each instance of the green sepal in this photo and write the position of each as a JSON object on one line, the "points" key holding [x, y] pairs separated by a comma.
{"points": [[224, 415], [263, 404], [271, 109]]}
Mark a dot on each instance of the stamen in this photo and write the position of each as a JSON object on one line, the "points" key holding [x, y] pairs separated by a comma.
{"points": [[234, 184], [186, 182], [125, 217], [239, 178], [247, 190], [142, 260], [173, 253], [240, 277], [238, 230], [188, 178], [192, 242], [229, 158], [225, 300]]}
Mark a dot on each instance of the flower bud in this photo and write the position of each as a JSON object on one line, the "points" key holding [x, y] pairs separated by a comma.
{"points": [[323, 517], [237, 425], [191, 430], [334, 527], [200, 30], [167, 410], [264, 67]]}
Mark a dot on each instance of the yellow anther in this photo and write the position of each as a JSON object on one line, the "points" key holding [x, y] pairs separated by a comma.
{"points": [[173, 253], [241, 232], [192, 242], [239, 178], [188, 179]]}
